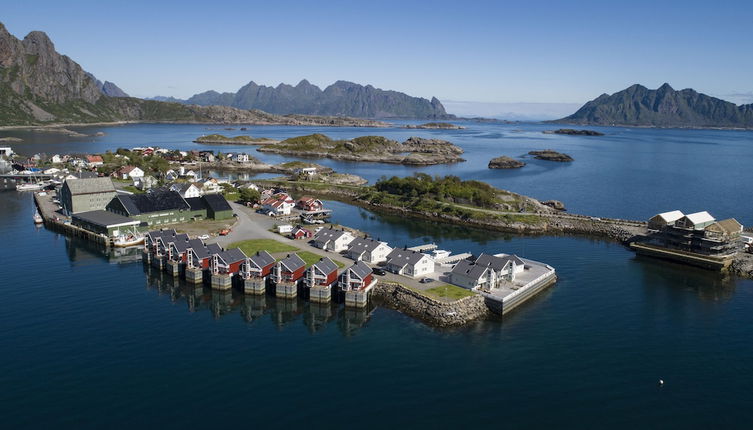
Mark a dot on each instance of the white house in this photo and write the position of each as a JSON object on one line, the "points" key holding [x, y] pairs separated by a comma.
{"points": [[368, 250], [278, 204], [129, 172], [284, 228], [56, 159], [308, 171], [186, 190], [209, 186], [409, 263], [145, 183], [6, 151], [242, 158], [171, 175], [487, 272], [332, 240]]}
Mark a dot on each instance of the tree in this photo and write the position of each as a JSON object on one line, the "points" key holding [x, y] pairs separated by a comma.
{"points": [[249, 195]]}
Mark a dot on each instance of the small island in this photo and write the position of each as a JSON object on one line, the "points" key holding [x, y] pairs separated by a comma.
{"points": [[551, 155], [505, 162], [574, 132], [237, 140], [436, 125], [414, 151], [11, 139]]}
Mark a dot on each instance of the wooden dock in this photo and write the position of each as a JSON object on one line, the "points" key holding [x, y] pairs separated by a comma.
{"points": [[691, 258], [57, 222]]}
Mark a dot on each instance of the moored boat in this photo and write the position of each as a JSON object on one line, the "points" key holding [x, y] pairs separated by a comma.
{"points": [[125, 240], [31, 186], [38, 218]]}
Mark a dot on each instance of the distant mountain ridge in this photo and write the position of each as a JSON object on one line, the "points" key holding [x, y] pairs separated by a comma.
{"points": [[341, 99], [662, 107], [40, 86]]}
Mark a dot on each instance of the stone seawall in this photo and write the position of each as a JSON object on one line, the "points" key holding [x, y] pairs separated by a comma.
{"points": [[428, 310]]}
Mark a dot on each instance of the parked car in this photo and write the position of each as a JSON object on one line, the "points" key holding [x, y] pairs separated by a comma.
{"points": [[379, 272], [426, 280], [225, 232], [203, 237]]}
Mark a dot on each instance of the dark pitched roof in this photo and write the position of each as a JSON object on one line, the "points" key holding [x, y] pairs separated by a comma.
{"points": [[154, 201], [216, 202], [360, 269], [232, 256], [497, 263], [262, 258], [293, 262], [198, 248], [325, 265], [361, 245], [401, 257], [104, 218], [196, 203], [470, 269], [213, 248]]}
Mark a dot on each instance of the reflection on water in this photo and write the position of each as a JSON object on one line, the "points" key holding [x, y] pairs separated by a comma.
{"points": [[282, 312]]}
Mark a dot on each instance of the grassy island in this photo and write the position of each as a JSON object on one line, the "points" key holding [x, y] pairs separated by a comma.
{"points": [[237, 140]]}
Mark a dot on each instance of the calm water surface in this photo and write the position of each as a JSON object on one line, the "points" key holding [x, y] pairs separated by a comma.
{"points": [[628, 173], [91, 341]]}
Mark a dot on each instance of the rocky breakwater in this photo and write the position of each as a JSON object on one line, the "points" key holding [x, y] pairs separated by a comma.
{"points": [[435, 126], [237, 140], [505, 162], [414, 151], [551, 155], [742, 265], [574, 132], [428, 310]]}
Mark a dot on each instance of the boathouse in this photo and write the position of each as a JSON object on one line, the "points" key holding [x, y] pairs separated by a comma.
{"points": [[321, 273], [659, 221], [697, 233], [85, 195], [409, 263], [369, 250], [258, 265], [696, 221], [289, 269], [228, 262], [356, 277], [105, 223], [332, 240]]}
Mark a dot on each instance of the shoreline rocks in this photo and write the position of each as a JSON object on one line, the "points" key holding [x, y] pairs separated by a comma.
{"points": [[505, 162], [573, 132], [238, 140], [415, 151], [551, 155], [555, 204], [436, 126]]}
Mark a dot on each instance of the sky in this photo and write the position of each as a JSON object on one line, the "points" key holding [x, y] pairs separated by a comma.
{"points": [[477, 56]]}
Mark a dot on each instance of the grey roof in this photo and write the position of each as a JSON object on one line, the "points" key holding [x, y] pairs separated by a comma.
{"points": [[326, 234], [180, 245], [293, 262], [159, 234], [262, 259], [90, 185], [497, 263], [360, 269], [401, 257], [198, 248], [232, 255], [325, 265], [213, 248], [154, 201], [196, 203], [470, 269], [361, 245], [104, 218]]}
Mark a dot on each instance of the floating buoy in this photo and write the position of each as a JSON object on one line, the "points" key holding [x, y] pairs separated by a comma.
{"points": [[661, 382]]}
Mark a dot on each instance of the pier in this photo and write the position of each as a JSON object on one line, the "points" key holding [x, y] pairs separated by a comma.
{"points": [[693, 259]]}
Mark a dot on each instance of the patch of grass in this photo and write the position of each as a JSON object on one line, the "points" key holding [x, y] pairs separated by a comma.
{"points": [[448, 291], [251, 246], [132, 189], [311, 258]]}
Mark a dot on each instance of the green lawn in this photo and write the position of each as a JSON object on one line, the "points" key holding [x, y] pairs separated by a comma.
{"points": [[249, 247], [449, 292], [311, 258]]}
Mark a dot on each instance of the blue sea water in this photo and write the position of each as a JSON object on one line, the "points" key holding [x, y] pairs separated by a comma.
{"points": [[628, 173], [89, 340]]}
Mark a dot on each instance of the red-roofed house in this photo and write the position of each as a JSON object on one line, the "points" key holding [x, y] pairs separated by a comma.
{"points": [[278, 204], [308, 204], [94, 160]]}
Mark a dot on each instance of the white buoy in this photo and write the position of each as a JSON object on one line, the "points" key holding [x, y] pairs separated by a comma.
{"points": [[661, 382]]}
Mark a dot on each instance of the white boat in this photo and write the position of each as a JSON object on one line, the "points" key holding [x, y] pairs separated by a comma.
{"points": [[130, 239], [38, 218], [29, 187]]}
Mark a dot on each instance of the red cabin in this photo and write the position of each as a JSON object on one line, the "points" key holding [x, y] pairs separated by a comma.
{"points": [[356, 277], [321, 273], [289, 269], [258, 265]]}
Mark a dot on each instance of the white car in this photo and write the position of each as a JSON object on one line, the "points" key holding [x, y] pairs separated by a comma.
{"points": [[203, 237]]}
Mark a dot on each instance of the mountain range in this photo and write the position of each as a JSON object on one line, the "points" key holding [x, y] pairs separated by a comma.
{"points": [[341, 98], [662, 107]]}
